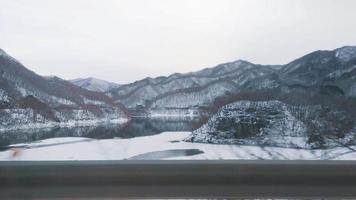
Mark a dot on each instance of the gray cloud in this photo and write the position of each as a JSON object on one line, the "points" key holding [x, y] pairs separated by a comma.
{"points": [[125, 40]]}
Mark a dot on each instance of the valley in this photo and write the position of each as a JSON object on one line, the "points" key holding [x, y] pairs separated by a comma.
{"points": [[307, 105]]}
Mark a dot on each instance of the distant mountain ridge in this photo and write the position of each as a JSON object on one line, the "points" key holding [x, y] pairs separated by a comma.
{"points": [[334, 68], [190, 88], [325, 72], [94, 84]]}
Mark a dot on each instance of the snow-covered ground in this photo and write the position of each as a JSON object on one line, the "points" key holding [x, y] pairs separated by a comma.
{"points": [[167, 145], [69, 123]]}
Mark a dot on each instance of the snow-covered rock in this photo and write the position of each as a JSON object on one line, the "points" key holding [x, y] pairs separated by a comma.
{"points": [[273, 123], [254, 123]]}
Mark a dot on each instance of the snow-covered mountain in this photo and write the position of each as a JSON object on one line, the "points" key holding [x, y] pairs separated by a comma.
{"points": [[307, 103], [195, 89], [318, 73], [30, 100], [330, 72], [311, 100], [94, 84]]}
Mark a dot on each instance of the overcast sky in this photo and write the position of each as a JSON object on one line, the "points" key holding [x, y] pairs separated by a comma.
{"points": [[126, 40]]}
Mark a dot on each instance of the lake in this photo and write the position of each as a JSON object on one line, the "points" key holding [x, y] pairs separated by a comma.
{"points": [[135, 128]]}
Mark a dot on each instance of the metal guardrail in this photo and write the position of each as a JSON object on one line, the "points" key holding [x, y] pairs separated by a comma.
{"points": [[177, 179]]}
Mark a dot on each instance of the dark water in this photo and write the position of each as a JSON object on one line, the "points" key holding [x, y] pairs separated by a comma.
{"points": [[134, 128], [158, 155]]}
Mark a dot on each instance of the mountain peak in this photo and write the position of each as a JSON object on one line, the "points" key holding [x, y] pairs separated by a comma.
{"points": [[94, 84], [3, 53], [346, 53], [240, 61]]}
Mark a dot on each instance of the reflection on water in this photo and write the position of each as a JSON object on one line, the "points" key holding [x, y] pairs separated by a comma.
{"points": [[135, 128]]}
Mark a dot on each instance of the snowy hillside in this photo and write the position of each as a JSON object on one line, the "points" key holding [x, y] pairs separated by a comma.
{"points": [[273, 123], [191, 89], [335, 68], [29, 100], [94, 84]]}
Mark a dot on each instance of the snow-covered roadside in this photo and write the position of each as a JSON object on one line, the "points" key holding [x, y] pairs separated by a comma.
{"points": [[118, 149], [68, 124]]}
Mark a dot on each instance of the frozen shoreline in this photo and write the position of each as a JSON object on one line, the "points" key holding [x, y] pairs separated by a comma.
{"points": [[71, 123], [166, 143]]}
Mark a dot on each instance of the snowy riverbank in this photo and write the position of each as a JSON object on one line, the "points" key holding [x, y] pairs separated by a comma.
{"points": [[70, 123], [167, 145]]}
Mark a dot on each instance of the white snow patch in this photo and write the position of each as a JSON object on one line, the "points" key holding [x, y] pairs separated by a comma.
{"points": [[118, 149], [23, 91], [53, 99], [94, 102], [4, 96]]}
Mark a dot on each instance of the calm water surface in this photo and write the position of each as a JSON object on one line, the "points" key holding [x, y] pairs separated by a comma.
{"points": [[135, 128]]}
